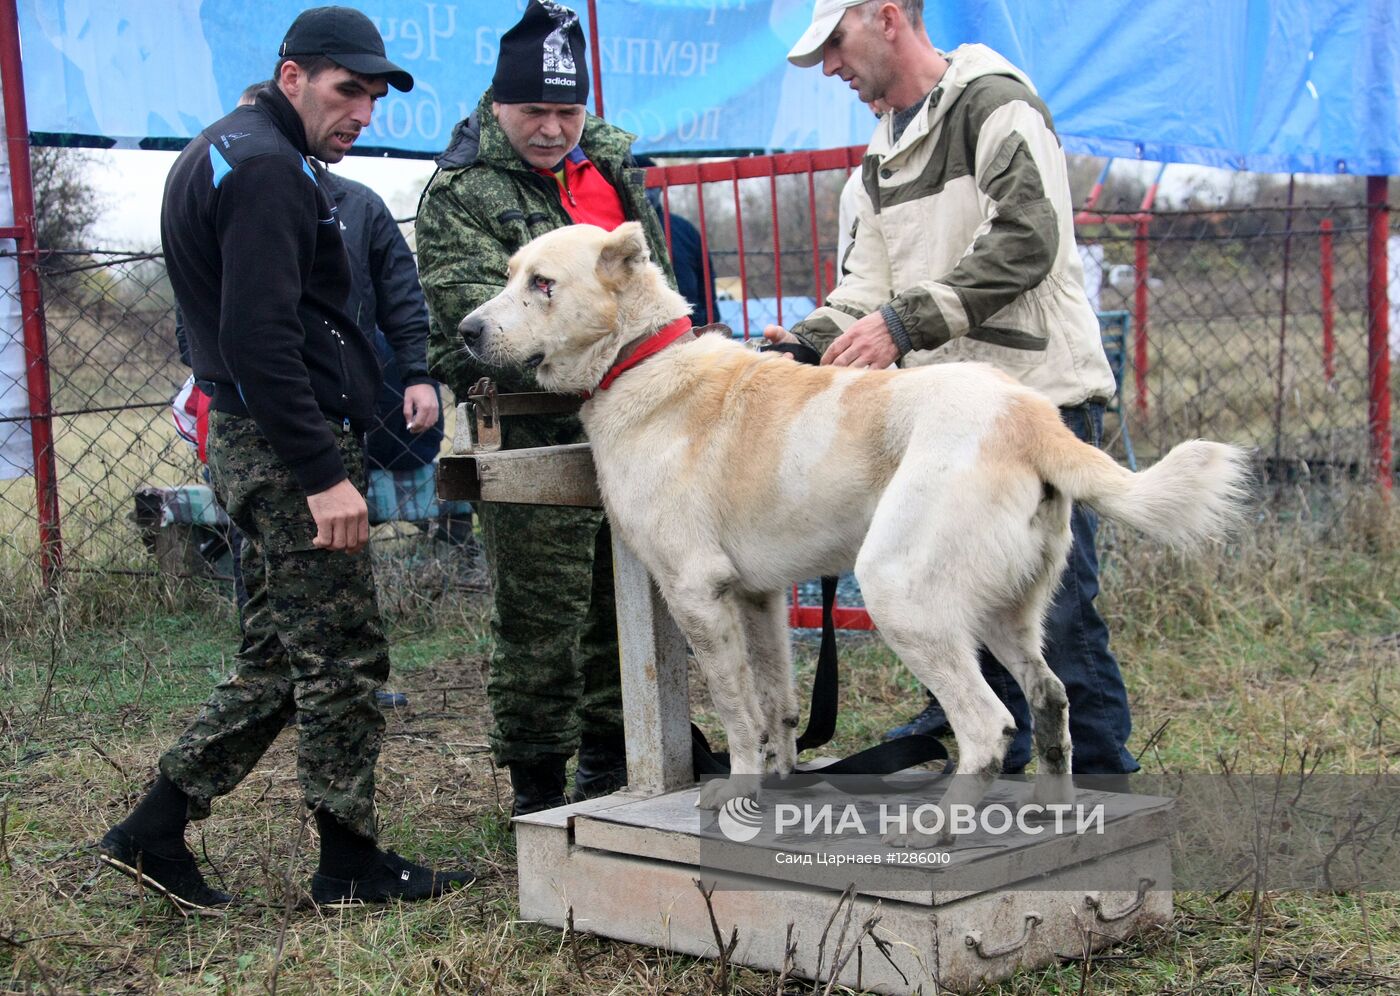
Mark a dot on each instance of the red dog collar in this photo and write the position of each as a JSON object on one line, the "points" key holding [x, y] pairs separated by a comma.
{"points": [[649, 346]]}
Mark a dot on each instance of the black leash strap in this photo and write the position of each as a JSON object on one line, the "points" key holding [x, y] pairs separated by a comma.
{"points": [[882, 759], [826, 686]]}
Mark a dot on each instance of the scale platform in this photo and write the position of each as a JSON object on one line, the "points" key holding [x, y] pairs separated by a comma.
{"points": [[626, 867]]}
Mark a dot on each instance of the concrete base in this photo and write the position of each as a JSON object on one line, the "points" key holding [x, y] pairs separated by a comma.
{"points": [[627, 868]]}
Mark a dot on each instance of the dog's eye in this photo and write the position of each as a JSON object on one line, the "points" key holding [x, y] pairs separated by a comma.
{"points": [[544, 285]]}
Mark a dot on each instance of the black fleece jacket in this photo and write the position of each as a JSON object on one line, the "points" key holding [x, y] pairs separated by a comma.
{"points": [[256, 260]]}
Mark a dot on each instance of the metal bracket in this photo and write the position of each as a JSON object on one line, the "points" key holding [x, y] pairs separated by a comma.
{"points": [[491, 407], [483, 400]]}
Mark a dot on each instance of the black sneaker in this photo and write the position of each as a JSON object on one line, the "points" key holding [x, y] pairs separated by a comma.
{"points": [[176, 878], [391, 878], [932, 722]]}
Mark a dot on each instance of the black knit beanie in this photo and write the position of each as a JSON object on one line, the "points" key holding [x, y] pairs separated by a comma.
{"points": [[542, 58]]}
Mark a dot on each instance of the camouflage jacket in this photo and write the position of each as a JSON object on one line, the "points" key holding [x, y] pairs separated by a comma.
{"points": [[482, 205]]}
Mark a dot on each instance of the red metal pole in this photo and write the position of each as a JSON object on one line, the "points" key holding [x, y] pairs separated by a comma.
{"points": [[1378, 329], [597, 59], [704, 238], [743, 265], [36, 350], [1097, 191], [1140, 317], [1144, 220], [816, 238], [1329, 339], [777, 248]]}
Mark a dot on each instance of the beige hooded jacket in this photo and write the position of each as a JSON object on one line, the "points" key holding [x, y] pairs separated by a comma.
{"points": [[964, 238]]}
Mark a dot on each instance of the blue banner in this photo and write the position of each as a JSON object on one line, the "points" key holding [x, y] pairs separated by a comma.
{"points": [[1268, 85]]}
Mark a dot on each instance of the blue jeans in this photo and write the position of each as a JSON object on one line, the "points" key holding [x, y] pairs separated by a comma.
{"points": [[1076, 648]]}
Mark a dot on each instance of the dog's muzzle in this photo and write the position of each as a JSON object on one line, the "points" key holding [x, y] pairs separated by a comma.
{"points": [[473, 331]]}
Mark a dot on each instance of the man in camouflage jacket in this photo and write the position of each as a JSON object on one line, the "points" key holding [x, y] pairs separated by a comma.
{"points": [[527, 161]]}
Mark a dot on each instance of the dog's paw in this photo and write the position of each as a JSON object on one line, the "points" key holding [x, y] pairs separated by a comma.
{"points": [[1052, 790], [914, 839], [716, 792], [781, 756]]}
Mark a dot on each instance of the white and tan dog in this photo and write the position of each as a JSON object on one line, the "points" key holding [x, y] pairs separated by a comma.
{"points": [[731, 474]]}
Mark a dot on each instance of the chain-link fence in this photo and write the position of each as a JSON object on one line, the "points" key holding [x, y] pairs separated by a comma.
{"points": [[113, 369], [1254, 330], [1244, 325], [132, 494]]}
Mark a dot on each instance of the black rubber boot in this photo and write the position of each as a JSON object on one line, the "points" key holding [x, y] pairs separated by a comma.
{"points": [[538, 784], [354, 871], [931, 721], [602, 766]]}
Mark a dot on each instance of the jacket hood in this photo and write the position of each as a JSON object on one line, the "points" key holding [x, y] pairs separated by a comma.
{"points": [[966, 63], [465, 143], [971, 62]]}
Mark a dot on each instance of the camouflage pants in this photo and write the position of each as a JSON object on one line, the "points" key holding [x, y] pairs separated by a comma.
{"points": [[312, 645], [554, 671]]}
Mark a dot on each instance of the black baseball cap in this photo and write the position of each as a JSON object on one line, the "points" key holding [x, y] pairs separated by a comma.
{"points": [[346, 37]]}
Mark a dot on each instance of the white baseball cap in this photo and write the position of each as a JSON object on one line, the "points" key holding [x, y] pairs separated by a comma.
{"points": [[825, 16]]}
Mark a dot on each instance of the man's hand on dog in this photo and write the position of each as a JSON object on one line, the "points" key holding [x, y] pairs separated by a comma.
{"points": [[867, 343], [342, 518]]}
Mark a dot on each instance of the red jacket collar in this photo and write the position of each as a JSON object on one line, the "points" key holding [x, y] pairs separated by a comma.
{"points": [[649, 346]]}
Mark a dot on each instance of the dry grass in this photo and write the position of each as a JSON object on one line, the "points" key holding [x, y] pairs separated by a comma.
{"points": [[1287, 636]]}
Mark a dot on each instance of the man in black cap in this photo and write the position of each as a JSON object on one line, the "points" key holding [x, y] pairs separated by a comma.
{"points": [[260, 273], [530, 160]]}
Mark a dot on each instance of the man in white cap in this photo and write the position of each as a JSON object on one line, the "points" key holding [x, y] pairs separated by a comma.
{"points": [[964, 250]]}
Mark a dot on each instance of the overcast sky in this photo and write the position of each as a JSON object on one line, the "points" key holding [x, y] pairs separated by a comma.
{"points": [[130, 184]]}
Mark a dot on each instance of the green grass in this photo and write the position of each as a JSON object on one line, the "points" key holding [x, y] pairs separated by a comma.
{"points": [[1284, 639]]}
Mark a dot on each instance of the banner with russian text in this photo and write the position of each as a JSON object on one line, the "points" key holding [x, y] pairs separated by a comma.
{"points": [[1264, 85]]}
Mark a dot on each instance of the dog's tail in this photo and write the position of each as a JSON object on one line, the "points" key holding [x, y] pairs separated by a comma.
{"points": [[1195, 493]]}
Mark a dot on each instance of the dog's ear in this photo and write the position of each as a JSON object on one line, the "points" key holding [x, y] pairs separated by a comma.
{"points": [[624, 253]]}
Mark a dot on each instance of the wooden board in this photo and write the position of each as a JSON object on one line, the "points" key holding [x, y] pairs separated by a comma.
{"points": [[545, 475]]}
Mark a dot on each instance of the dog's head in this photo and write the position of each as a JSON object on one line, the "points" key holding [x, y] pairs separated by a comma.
{"points": [[573, 298]]}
